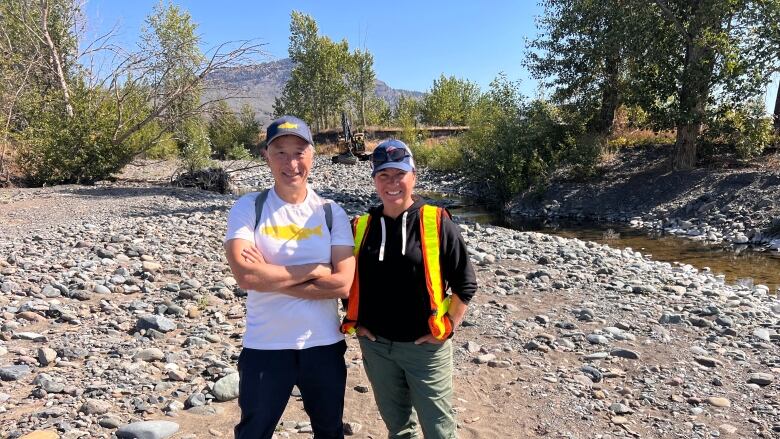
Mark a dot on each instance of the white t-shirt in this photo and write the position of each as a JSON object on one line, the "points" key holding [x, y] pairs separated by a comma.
{"points": [[290, 234]]}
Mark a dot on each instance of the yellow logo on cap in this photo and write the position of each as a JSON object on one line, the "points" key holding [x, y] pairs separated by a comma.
{"points": [[288, 126]]}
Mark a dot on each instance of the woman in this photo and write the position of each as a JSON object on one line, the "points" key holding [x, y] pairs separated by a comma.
{"points": [[408, 253]]}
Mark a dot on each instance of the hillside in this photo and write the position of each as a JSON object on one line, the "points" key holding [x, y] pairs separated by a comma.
{"points": [[259, 84]]}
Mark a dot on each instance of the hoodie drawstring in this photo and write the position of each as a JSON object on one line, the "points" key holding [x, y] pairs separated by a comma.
{"points": [[384, 237], [403, 233]]}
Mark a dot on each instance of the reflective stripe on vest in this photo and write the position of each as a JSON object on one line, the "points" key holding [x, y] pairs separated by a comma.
{"points": [[430, 232], [359, 231]]}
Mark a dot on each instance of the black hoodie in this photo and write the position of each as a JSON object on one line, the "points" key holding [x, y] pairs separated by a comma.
{"points": [[394, 299]]}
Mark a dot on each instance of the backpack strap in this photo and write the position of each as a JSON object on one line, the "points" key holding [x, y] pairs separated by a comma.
{"points": [[263, 195], [328, 214], [259, 202]]}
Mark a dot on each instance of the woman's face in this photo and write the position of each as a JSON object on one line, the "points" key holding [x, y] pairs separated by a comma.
{"points": [[394, 187]]}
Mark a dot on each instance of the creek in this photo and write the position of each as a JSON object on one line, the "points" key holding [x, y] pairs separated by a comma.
{"points": [[737, 264]]}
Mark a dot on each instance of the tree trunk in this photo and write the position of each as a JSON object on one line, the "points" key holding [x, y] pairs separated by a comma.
{"points": [[694, 92], [610, 99], [363, 108], [55, 55], [777, 109], [685, 147]]}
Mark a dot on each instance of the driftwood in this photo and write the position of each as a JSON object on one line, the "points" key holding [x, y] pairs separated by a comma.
{"points": [[209, 179]]}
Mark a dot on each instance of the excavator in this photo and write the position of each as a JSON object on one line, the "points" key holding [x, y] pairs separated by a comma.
{"points": [[352, 146]]}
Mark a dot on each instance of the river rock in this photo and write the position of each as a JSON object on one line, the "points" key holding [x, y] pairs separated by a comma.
{"points": [[147, 430], [32, 336], [352, 428], [718, 401], [762, 334], [625, 353], [762, 379], [620, 409], [707, 361], [102, 289], [150, 354], [41, 434], [14, 373], [484, 359], [151, 267], [46, 356], [226, 388], [597, 339], [110, 422], [95, 407], [158, 323], [591, 372]]}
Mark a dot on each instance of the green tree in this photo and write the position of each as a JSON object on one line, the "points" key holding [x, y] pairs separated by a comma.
{"points": [[72, 125], [232, 134], [406, 115], [512, 144], [170, 37], [317, 90], [704, 53], [327, 78], [377, 112], [675, 59], [449, 102], [39, 48], [361, 79], [583, 52]]}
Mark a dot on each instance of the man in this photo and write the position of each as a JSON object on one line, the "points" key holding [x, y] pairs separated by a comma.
{"points": [[294, 266]]}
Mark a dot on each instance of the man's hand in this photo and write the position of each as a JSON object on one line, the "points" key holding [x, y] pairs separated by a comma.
{"points": [[336, 285], [252, 273], [253, 256]]}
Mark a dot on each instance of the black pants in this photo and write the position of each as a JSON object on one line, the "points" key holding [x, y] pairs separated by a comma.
{"points": [[268, 377]]}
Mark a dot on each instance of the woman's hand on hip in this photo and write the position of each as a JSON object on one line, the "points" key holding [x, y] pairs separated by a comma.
{"points": [[362, 331], [429, 338]]}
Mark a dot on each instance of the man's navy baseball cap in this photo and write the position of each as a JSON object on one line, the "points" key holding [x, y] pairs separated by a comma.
{"points": [[392, 153], [288, 126]]}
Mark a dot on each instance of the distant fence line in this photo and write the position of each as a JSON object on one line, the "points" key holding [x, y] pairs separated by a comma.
{"points": [[331, 135]]}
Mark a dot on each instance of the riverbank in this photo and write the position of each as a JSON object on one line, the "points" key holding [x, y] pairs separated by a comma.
{"points": [[116, 306], [737, 205]]}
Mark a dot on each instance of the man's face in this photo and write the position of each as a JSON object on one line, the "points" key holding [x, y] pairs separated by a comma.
{"points": [[290, 159]]}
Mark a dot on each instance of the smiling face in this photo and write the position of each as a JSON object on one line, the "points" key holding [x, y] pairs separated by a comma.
{"points": [[394, 187], [290, 159]]}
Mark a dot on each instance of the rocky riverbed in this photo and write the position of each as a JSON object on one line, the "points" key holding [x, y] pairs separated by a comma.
{"points": [[737, 206], [119, 317]]}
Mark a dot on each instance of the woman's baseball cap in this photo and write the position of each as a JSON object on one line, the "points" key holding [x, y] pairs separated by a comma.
{"points": [[392, 153]]}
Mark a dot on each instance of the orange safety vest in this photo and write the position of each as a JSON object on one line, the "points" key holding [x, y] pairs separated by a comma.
{"points": [[430, 232]]}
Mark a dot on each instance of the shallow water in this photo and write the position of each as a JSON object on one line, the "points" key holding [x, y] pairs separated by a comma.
{"points": [[738, 264]]}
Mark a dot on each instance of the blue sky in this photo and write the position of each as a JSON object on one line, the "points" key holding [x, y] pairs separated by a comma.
{"points": [[413, 42]]}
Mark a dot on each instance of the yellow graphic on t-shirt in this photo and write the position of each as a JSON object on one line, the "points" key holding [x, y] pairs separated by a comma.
{"points": [[291, 232]]}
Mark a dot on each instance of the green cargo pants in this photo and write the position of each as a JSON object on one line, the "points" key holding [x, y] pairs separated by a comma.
{"points": [[411, 381]]}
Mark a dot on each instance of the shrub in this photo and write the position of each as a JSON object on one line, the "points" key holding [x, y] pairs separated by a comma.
{"points": [[514, 145], [194, 147], [238, 152], [154, 143], [228, 132], [440, 155], [54, 148], [745, 130]]}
